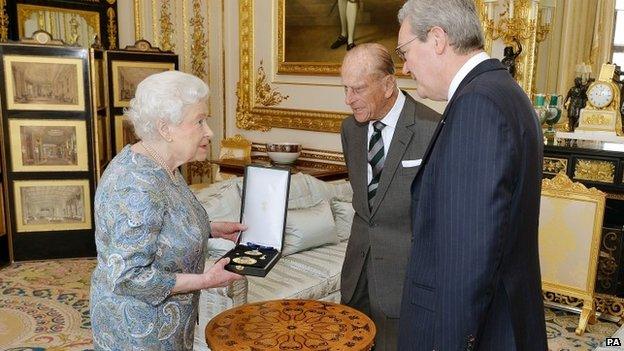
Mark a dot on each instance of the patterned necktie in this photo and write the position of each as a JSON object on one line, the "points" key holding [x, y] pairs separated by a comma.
{"points": [[376, 159]]}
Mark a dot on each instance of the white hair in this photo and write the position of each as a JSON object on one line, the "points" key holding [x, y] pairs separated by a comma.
{"points": [[458, 18], [163, 96]]}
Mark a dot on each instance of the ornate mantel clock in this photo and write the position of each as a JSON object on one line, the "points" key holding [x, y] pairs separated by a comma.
{"points": [[601, 113]]}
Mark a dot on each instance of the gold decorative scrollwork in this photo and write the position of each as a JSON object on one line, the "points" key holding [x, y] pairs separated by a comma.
{"points": [[554, 165], [111, 28], [262, 118], [593, 170], [562, 299], [265, 95], [112, 2], [615, 196], [4, 23], [598, 119], [561, 184], [198, 47], [605, 304], [609, 305], [166, 27], [607, 265]]}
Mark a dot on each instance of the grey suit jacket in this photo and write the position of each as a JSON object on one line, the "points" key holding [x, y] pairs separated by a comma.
{"points": [[385, 230]]}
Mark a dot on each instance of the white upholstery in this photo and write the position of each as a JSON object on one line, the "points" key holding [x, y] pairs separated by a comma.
{"points": [[310, 274]]}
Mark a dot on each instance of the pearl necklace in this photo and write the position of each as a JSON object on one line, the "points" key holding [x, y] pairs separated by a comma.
{"points": [[159, 160]]}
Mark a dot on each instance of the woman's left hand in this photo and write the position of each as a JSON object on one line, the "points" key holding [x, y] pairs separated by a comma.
{"points": [[226, 230]]}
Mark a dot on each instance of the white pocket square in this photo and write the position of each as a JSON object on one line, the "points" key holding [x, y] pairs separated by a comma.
{"points": [[411, 163]]}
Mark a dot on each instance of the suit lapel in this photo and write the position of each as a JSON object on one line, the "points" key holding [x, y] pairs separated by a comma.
{"points": [[360, 161], [485, 66], [400, 140]]}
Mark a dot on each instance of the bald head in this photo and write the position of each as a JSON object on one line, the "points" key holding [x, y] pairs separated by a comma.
{"points": [[370, 58], [368, 78]]}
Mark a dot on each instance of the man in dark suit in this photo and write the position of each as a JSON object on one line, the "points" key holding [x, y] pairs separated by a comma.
{"points": [[383, 142], [473, 280]]}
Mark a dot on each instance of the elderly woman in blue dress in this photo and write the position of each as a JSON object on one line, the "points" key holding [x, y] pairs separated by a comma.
{"points": [[150, 229]]}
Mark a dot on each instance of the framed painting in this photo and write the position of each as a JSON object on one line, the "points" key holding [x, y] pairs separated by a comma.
{"points": [[41, 83], [124, 133], [312, 38], [127, 75], [39, 145], [52, 205]]}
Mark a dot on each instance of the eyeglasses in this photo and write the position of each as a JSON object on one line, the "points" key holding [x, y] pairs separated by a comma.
{"points": [[400, 53]]}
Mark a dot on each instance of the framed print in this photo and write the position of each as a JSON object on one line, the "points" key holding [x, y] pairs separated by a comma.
{"points": [[52, 205], [127, 75], [124, 133], [44, 83], [40, 145]]}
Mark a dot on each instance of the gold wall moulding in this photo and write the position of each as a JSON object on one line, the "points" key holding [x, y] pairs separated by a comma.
{"points": [[166, 28], [593, 170], [249, 116], [265, 95], [554, 165], [198, 47], [4, 22]]}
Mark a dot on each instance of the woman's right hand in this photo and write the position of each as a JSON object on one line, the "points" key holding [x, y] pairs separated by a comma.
{"points": [[216, 276]]}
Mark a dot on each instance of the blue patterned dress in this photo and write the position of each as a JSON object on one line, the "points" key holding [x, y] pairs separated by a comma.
{"points": [[148, 228]]}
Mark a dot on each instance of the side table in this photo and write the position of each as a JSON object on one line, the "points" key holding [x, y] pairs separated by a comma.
{"points": [[291, 325]]}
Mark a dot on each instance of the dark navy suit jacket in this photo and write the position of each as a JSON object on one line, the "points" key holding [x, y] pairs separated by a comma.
{"points": [[473, 281]]}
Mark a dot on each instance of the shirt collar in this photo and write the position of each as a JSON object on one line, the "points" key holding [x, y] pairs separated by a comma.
{"points": [[464, 70], [392, 117]]}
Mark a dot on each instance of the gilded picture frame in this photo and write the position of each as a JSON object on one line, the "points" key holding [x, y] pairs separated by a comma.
{"points": [[52, 205], [128, 74], [124, 133], [40, 145], [304, 38], [252, 115], [44, 83]]}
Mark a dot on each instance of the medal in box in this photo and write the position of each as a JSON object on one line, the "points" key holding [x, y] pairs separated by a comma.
{"points": [[263, 210]]}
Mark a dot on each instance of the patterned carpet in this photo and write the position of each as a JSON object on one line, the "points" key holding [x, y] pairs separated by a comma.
{"points": [[45, 306]]}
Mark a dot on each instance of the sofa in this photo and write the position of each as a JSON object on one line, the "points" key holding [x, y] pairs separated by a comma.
{"points": [[318, 227]]}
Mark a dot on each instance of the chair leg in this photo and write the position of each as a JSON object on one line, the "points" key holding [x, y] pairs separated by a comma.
{"points": [[587, 315]]}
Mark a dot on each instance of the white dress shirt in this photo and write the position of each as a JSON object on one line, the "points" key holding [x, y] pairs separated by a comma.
{"points": [[464, 70], [390, 120]]}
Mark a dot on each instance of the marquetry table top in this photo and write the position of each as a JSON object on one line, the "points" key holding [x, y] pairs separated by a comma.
{"points": [[291, 325]]}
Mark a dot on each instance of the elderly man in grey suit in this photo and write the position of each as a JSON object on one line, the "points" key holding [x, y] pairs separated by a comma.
{"points": [[383, 142]]}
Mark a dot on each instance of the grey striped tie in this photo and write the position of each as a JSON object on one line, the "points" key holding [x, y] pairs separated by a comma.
{"points": [[376, 159]]}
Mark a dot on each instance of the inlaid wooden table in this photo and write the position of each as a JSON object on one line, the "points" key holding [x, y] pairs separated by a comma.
{"points": [[291, 325]]}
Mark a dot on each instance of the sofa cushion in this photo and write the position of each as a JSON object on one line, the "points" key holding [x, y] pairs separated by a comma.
{"points": [[222, 202], [311, 274], [307, 228], [327, 190], [343, 216]]}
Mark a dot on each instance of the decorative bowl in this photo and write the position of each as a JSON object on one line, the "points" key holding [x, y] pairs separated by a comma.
{"points": [[283, 153]]}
